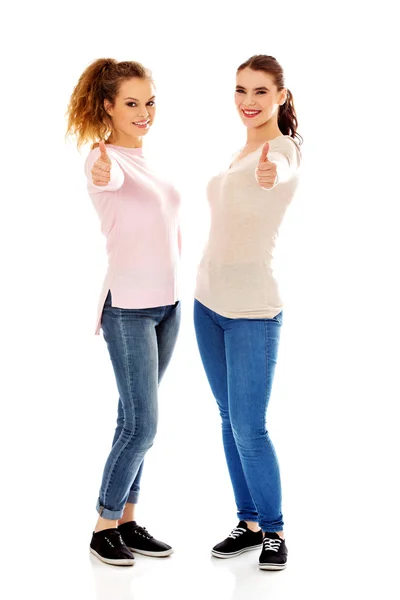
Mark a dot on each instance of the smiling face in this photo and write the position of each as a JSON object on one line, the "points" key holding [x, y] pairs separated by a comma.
{"points": [[133, 111], [257, 97]]}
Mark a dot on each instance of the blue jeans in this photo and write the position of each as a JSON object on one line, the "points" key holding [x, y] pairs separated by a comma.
{"points": [[239, 357], [140, 343]]}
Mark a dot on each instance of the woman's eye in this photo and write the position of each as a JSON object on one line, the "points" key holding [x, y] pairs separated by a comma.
{"points": [[131, 104], [261, 92], [151, 103], [240, 91]]}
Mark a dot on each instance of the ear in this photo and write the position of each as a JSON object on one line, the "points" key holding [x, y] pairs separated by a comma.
{"points": [[108, 107], [282, 97]]}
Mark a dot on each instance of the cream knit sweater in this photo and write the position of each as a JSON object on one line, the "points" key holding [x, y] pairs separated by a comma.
{"points": [[235, 277]]}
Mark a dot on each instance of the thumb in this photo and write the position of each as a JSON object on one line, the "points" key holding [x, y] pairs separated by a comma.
{"points": [[264, 153], [103, 152]]}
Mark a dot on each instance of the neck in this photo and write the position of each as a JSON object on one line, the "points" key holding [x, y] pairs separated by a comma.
{"points": [[126, 141], [264, 133]]}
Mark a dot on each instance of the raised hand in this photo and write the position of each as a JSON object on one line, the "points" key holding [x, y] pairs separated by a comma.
{"points": [[102, 167], [266, 170]]}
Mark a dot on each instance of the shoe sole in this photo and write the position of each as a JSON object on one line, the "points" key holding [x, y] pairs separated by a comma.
{"points": [[124, 562], [271, 567], [233, 554], [162, 554]]}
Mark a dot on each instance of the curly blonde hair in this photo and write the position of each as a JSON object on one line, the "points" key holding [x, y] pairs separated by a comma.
{"points": [[88, 120]]}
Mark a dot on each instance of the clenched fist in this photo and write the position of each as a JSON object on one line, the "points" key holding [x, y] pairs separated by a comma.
{"points": [[266, 170], [102, 167]]}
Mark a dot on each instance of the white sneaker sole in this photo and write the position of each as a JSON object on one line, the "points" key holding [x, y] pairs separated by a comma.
{"points": [[124, 562], [153, 554], [271, 567], [233, 554]]}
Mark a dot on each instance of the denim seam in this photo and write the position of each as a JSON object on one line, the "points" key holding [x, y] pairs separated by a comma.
{"points": [[268, 392], [267, 361], [130, 395]]}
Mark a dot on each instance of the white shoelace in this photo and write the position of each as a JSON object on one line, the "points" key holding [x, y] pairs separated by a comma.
{"points": [[271, 544], [237, 532], [142, 531], [115, 537]]}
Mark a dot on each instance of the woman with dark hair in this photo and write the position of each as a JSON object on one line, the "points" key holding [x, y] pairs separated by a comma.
{"points": [[113, 105], [238, 308]]}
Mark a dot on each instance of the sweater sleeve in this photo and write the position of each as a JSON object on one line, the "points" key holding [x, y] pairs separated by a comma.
{"points": [[117, 174], [287, 157]]}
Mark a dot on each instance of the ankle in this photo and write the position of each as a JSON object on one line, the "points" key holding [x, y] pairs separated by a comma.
{"points": [[128, 514], [253, 526], [123, 520], [103, 524], [280, 533]]}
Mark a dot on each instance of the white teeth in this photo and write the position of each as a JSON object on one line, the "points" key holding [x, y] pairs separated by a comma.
{"points": [[251, 112]]}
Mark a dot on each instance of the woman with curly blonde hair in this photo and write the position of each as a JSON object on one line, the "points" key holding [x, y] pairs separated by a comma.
{"points": [[112, 108]]}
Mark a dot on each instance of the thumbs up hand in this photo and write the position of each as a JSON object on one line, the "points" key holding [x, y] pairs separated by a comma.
{"points": [[266, 170], [102, 167]]}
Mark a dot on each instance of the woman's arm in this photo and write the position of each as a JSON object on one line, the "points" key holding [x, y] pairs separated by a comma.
{"points": [[104, 170], [278, 165]]}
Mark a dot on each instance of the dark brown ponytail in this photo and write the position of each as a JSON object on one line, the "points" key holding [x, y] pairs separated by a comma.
{"points": [[87, 118], [287, 118]]}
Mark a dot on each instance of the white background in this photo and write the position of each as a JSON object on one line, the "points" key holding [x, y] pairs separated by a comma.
{"points": [[333, 413]]}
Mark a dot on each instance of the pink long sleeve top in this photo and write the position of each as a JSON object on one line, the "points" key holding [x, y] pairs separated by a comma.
{"points": [[138, 212]]}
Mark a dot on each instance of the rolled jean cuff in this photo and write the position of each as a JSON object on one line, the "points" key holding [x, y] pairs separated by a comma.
{"points": [[105, 513], [271, 526], [133, 497], [244, 515]]}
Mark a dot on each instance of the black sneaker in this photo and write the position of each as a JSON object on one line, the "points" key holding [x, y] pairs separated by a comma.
{"points": [[273, 556], [138, 539], [241, 539], [110, 548]]}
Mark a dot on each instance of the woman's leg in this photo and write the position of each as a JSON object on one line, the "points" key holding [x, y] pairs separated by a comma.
{"points": [[211, 343], [251, 351], [132, 343], [167, 334]]}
